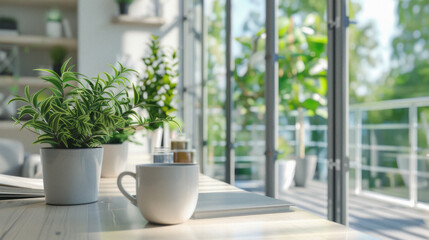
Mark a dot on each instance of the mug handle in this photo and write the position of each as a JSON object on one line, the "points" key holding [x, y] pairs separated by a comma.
{"points": [[122, 189]]}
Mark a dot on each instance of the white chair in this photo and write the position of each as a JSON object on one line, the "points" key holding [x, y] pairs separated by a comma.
{"points": [[13, 160]]}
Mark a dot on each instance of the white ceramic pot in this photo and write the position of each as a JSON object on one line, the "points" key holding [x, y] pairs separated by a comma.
{"points": [[285, 174], [114, 159], [53, 29], [71, 176], [305, 169]]}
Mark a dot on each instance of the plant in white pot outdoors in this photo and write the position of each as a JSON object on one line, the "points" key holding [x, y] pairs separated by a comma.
{"points": [[156, 87], [75, 120], [303, 83]]}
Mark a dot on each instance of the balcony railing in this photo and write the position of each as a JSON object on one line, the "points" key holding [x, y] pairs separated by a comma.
{"points": [[396, 169]]}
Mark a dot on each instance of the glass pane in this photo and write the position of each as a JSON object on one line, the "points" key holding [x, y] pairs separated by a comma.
{"points": [[302, 165], [248, 95], [215, 42], [389, 105]]}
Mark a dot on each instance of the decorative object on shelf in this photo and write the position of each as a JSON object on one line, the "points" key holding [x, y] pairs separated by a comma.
{"points": [[67, 28], [124, 6], [172, 200], [8, 67], [7, 110], [54, 23], [58, 55], [75, 120], [9, 61], [8, 26]]}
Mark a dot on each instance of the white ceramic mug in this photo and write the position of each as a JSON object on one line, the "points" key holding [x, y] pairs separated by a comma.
{"points": [[166, 193]]}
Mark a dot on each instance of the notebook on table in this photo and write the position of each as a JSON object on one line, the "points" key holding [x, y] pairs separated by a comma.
{"points": [[227, 204], [19, 187]]}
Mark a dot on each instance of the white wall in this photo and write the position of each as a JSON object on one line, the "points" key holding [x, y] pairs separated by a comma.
{"points": [[101, 42]]}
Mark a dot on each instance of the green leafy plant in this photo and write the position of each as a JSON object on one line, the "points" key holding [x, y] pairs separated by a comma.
{"points": [[81, 112], [155, 86], [54, 15], [122, 135]]}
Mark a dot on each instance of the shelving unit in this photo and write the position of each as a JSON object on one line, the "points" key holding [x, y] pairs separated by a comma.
{"points": [[39, 41], [139, 21], [72, 4], [22, 81], [32, 48]]}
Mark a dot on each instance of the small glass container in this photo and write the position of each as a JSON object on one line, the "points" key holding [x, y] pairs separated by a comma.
{"points": [[184, 156], [162, 155], [179, 143]]}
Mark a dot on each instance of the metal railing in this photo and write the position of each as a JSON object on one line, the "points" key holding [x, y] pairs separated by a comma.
{"points": [[358, 145]]}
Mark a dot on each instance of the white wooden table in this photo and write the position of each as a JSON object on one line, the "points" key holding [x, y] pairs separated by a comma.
{"points": [[114, 217]]}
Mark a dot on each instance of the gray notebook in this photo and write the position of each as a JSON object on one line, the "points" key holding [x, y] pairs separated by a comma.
{"points": [[227, 204]]}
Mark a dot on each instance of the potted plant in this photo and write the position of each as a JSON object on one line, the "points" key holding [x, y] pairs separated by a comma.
{"points": [[116, 143], [302, 82], [124, 6], [156, 86], [75, 120], [53, 23], [58, 56], [116, 153], [8, 26]]}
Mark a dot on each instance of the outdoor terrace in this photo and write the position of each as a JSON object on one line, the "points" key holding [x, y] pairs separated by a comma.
{"points": [[377, 218]]}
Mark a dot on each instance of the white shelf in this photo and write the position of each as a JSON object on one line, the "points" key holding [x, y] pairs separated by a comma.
{"points": [[72, 4], [22, 81], [139, 21], [39, 41]]}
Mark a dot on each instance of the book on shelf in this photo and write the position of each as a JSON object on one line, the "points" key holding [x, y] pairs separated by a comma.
{"points": [[239, 203], [20, 187]]}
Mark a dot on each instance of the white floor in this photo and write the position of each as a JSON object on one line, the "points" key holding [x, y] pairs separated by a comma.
{"points": [[379, 219]]}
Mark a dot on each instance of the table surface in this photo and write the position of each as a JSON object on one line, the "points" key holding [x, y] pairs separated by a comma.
{"points": [[114, 217]]}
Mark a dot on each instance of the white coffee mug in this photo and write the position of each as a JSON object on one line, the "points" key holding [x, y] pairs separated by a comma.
{"points": [[166, 193]]}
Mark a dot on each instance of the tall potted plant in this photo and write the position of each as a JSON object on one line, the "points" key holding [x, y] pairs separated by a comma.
{"points": [[156, 86], [302, 82], [74, 120]]}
